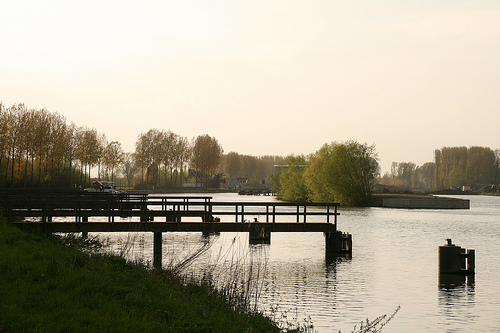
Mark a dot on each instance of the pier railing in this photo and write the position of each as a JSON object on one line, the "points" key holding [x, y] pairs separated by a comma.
{"points": [[104, 212], [85, 206]]}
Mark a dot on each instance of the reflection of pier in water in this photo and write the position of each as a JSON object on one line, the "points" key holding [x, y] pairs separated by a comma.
{"points": [[76, 211]]}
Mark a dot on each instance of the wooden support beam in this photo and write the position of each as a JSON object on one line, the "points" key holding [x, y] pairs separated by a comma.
{"points": [[157, 250]]}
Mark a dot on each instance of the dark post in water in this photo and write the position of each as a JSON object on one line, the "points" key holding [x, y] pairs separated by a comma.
{"points": [[157, 250], [456, 260], [338, 242], [258, 233]]}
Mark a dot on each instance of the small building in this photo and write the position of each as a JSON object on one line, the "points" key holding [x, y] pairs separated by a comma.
{"points": [[238, 183], [467, 188], [193, 179]]}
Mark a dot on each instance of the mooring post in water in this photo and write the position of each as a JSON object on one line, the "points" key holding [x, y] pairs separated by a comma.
{"points": [[157, 247], [207, 231], [258, 233], [471, 261], [338, 242], [456, 260]]}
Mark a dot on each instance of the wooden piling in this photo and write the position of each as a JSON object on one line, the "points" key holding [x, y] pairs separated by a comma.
{"points": [[471, 261], [338, 242], [456, 260], [157, 250], [258, 233]]}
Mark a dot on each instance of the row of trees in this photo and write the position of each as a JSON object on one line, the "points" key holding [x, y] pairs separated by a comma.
{"points": [[340, 172], [163, 156], [39, 148], [453, 167], [255, 168], [457, 166], [158, 150], [409, 175]]}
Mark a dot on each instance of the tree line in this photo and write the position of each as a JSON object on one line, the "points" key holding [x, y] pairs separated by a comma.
{"points": [[453, 167], [256, 168], [164, 159], [158, 150], [42, 149], [409, 175]]}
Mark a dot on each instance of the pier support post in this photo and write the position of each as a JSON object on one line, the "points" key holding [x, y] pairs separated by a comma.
{"points": [[157, 250], [258, 234], [450, 258], [85, 219], [338, 242], [471, 261], [207, 231]]}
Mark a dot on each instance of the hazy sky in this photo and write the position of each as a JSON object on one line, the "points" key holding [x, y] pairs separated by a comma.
{"points": [[263, 77]]}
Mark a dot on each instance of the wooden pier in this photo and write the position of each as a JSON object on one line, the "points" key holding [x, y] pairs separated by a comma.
{"points": [[83, 212]]}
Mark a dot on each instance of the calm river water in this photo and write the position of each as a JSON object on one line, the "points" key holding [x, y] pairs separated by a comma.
{"points": [[394, 263]]}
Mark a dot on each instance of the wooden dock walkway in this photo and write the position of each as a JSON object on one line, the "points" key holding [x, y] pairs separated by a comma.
{"points": [[83, 212]]}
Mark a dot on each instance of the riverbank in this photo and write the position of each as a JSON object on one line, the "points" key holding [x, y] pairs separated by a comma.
{"points": [[46, 286], [417, 201]]}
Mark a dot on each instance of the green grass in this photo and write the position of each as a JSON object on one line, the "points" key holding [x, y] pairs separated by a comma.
{"points": [[46, 286]]}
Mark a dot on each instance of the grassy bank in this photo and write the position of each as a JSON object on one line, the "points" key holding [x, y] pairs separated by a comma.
{"points": [[46, 286]]}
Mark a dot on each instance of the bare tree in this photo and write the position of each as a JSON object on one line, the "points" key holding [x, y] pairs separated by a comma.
{"points": [[89, 150], [112, 157], [3, 133], [148, 154], [14, 132], [129, 168], [207, 154], [182, 155], [169, 144]]}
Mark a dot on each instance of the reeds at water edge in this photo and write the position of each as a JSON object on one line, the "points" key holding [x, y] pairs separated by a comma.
{"points": [[237, 272]]}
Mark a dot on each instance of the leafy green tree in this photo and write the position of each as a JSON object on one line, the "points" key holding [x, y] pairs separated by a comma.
{"points": [[317, 175], [290, 183], [343, 172]]}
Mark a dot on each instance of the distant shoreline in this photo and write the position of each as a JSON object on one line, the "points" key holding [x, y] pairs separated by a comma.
{"points": [[417, 201], [174, 190]]}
